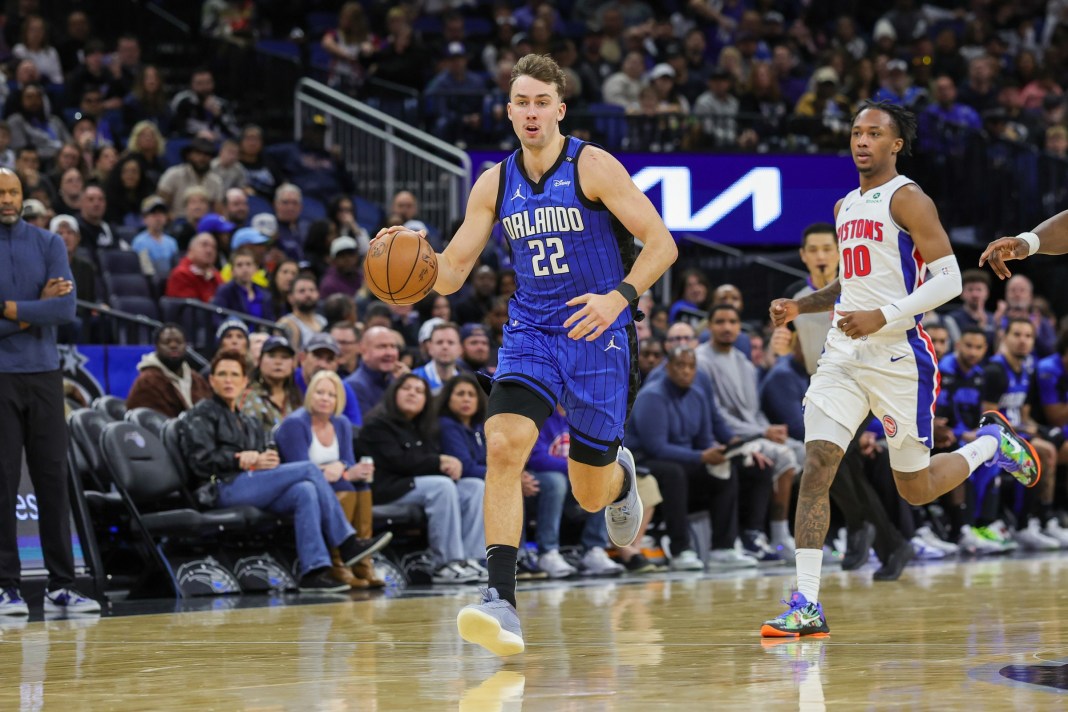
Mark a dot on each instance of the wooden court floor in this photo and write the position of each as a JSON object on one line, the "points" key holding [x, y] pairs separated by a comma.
{"points": [[988, 634]]}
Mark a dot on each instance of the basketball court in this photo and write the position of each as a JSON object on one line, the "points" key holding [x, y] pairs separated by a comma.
{"points": [[986, 634]]}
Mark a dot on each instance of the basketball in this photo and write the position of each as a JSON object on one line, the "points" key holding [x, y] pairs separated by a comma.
{"points": [[401, 268]]}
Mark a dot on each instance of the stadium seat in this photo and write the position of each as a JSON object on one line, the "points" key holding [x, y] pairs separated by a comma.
{"points": [[369, 215], [257, 205], [119, 262], [198, 324], [111, 406], [148, 418], [127, 332], [85, 425], [173, 154], [610, 123], [313, 209], [126, 285]]}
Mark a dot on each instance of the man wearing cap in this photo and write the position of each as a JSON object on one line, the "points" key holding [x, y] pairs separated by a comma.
{"points": [[35, 213], [199, 109], [343, 275], [66, 226], [320, 353], [232, 335], [240, 293], [195, 169], [152, 244], [825, 101], [195, 277], [897, 88], [257, 243], [165, 382], [379, 365], [476, 347], [456, 97], [718, 108], [292, 230], [220, 227], [444, 349]]}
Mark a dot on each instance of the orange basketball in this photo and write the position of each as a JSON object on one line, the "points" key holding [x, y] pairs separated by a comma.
{"points": [[401, 268]]}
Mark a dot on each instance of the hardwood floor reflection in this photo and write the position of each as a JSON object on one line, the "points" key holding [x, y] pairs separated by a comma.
{"points": [[971, 635]]}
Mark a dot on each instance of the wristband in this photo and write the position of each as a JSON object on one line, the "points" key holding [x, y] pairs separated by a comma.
{"points": [[628, 291], [1032, 242]]}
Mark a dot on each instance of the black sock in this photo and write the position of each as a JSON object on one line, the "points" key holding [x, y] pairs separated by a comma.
{"points": [[1045, 512], [500, 561], [625, 489], [956, 514]]}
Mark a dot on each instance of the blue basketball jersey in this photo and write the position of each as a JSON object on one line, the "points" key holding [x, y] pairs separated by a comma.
{"points": [[563, 245], [1007, 388]]}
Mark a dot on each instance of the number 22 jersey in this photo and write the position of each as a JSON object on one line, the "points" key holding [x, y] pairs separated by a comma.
{"points": [[878, 261], [563, 244]]}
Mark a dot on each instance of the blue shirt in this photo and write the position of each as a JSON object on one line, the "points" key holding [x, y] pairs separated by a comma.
{"points": [[164, 254], [294, 437], [782, 392], [29, 257], [352, 406], [669, 423], [466, 444], [563, 244], [1008, 388], [1052, 381], [551, 449], [960, 400], [369, 386]]}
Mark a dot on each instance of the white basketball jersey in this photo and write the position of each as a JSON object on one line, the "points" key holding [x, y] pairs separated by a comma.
{"points": [[878, 261]]}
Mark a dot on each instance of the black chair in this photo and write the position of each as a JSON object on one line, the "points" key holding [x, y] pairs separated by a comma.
{"points": [[119, 262], [148, 418], [85, 425], [126, 285], [145, 476], [111, 406], [127, 332], [198, 324]]}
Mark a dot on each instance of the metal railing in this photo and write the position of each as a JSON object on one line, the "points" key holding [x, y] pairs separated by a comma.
{"points": [[385, 153]]}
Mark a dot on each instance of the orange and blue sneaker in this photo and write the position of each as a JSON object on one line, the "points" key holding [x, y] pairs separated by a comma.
{"points": [[1015, 455], [801, 619]]}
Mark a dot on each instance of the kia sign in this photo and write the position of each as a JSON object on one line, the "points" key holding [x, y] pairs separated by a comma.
{"points": [[740, 200]]}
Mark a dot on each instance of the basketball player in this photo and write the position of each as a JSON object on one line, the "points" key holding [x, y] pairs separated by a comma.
{"points": [[1049, 238], [571, 213], [877, 357]]}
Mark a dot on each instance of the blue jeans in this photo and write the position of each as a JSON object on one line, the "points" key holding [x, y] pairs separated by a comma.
{"points": [[552, 496], [296, 488], [455, 527]]}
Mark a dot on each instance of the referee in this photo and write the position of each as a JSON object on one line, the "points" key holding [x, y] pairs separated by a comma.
{"points": [[37, 293]]}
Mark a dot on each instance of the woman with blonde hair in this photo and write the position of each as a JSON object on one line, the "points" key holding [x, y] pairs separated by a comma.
{"points": [[148, 143], [319, 433]]}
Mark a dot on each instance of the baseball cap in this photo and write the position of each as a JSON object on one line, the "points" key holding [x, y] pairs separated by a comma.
{"points": [[153, 203], [897, 65], [33, 208], [247, 236], [277, 342], [230, 325], [320, 341], [662, 70], [68, 220], [213, 222], [341, 244], [472, 329], [825, 74], [265, 224], [428, 327], [455, 49]]}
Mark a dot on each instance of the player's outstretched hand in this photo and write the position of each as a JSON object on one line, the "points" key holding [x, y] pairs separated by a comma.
{"points": [[1000, 251], [599, 313], [783, 311], [856, 324], [395, 228]]}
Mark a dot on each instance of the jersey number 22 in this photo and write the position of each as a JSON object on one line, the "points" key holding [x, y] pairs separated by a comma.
{"points": [[553, 248]]}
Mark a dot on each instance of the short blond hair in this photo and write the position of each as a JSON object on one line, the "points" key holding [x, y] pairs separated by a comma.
{"points": [[339, 389], [541, 67]]}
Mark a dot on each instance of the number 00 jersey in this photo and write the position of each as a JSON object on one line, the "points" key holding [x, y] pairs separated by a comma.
{"points": [[563, 245], [879, 263]]}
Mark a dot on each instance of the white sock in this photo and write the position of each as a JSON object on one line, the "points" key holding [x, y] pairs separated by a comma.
{"points": [[809, 564], [979, 451], [780, 531]]}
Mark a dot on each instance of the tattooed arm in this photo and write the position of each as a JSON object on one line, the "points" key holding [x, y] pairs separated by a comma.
{"points": [[786, 310]]}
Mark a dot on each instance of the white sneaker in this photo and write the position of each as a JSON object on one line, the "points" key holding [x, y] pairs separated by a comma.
{"points": [[12, 603], [730, 559], [478, 569], [624, 518], [555, 566], [455, 572], [1054, 530], [68, 600], [1033, 539], [786, 548], [687, 561], [1001, 531], [935, 542], [924, 551], [972, 543], [597, 563], [832, 556]]}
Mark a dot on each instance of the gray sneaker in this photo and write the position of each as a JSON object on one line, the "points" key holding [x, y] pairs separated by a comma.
{"points": [[493, 624], [624, 518], [69, 600]]}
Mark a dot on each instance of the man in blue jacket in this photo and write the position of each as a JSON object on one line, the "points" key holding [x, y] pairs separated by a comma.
{"points": [[37, 295]]}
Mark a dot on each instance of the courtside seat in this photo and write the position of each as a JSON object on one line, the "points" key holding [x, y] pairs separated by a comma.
{"points": [[148, 418], [85, 425], [112, 406], [398, 517]]}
